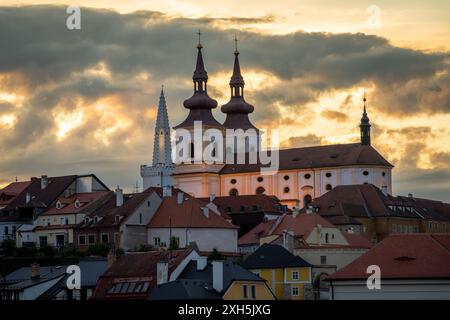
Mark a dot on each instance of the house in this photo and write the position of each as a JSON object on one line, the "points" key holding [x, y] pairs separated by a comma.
{"points": [[249, 242], [247, 211], [412, 266], [91, 268], [55, 226], [288, 276], [30, 282], [225, 280], [368, 210], [27, 200], [186, 219], [120, 221], [134, 274]]}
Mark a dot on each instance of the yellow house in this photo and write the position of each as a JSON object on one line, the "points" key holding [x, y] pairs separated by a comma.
{"points": [[287, 275]]}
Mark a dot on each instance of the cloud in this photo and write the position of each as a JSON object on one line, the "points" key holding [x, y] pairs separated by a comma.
{"points": [[302, 141], [334, 115]]}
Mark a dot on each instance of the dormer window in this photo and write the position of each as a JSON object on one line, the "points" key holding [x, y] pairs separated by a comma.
{"points": [[77, 204], [95, 219], [59, 205], [87, 220]]}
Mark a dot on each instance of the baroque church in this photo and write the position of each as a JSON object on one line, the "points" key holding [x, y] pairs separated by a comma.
{"points": [[303, 173]]}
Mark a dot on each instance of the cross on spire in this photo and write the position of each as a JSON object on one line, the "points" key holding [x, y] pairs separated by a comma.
{"points": [[199, 39]]}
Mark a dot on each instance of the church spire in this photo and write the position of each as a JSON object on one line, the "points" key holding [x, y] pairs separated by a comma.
{"points": [[365, 125], [161, 147]]}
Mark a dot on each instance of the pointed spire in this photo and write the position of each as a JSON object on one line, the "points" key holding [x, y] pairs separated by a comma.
{"points": [[161, 147], [200, 74], [236, 79], [365, 125]]}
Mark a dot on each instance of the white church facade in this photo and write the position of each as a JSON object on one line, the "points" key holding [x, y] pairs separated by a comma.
{"points": [[303, 173]]}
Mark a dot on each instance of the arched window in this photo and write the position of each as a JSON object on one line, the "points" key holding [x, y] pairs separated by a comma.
{"points": [[328, 187], [260, 190], [307, 200], [233, 192], [192, 149]]}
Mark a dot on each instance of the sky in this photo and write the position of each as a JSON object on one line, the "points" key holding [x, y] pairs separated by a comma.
{"points": [[84, 101]]}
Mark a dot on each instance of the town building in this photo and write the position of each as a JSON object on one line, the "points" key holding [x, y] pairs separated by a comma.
{"points": [[289, 276], [134, 274], [184, 219], [411, 267], [216, 279], [367, 210], [32, 198]]}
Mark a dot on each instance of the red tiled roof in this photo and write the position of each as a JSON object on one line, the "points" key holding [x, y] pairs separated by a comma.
{"points": [[188, 214], [357, 240], [302, 224], [318, 157], [260, 230], [136, 267], [69, 203], [11, 191], [406, 256]]}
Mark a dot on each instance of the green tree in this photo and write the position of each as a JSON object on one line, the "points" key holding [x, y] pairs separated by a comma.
{"points": [[174, 245], [9, 248], [99, 249]]}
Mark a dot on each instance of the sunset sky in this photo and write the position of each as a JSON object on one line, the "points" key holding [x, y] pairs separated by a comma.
{"points": [[84, 101]]}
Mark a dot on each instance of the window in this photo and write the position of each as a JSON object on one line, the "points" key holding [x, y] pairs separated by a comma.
{"points": [[82, 240], [260, 190], [157, 241], [294, 275], [117, 218], [66, 221], [328, 187], [260, 179], [383, 173], [307, 176], [326, 237], [294, 291], [328, 174], [140, 218], [233, 192], [286, 177], [307, 200], [233, 181], [148, 203], [286, 190], [245, 289], [323, 259], [105, 237], [63, 220], [91, 238], [366, 173], [95, 219], [192, 150], [6, 231], [253, 291], [42, 241]]}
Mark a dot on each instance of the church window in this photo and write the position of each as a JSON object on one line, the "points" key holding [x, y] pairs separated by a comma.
{"points": [[233, 181], [328, 187], [307, 176], [328, 174], [260, 190], [192, 150], [383, 173], [286, 189], [233, 192], [260, 179], [286, 177], [366, 173]]}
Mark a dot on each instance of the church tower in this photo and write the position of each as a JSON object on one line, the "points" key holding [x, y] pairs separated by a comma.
{"points": [[237, 109], [365, 126], [160, 172], [197, 166]]}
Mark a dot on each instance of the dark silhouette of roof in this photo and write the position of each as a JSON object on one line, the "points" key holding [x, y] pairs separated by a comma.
{"points": [[272, 256]]}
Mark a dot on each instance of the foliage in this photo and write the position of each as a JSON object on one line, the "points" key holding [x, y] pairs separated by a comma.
{"points": [[215, 255], [174, 245], [46, 251], [9, 248]]}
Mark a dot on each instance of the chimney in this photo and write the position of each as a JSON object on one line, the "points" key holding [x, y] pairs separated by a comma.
{"points": [[384, 190], [180, 198], [217, 275], [201, 263], [119, 197], [35, 271], [167, 191], [44, 182], [205, 211], [27, 197], [111, 258], [162, 270]]}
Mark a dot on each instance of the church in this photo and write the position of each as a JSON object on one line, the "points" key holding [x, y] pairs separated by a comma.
{"points": [[302, 175]]}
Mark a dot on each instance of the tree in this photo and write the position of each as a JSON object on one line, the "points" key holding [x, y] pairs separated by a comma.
{"points": [[215, 255], [9, 247], [99, 249], [174, 245]]}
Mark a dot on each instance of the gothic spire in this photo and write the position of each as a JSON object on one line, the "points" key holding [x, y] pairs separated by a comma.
{"points": [[365, 125], [161, 146]]}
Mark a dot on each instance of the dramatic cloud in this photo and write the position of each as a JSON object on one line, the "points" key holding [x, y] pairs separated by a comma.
{"points": [[84, 100]]}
